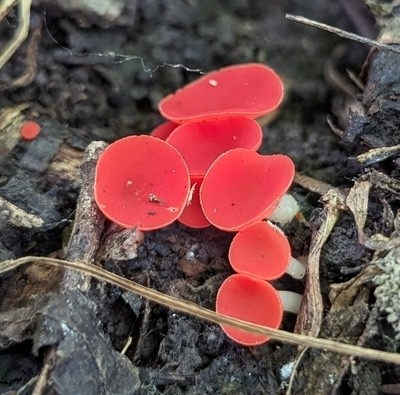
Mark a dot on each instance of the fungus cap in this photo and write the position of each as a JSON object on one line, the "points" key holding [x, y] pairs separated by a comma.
{"points": [[249, 299], [261, 250], [192, 214], [163, 130], [248, 90], [200, 143], [242, 187], [142, 182], [30, 130]]}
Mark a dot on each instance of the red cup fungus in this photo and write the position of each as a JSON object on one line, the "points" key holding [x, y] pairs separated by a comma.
{"points": [[201, 168], [249, 299], [242, 187], [30, 130], [261, 250], [249, 90], [192, 214], [141, 182], [163, 130], [200, 143]]}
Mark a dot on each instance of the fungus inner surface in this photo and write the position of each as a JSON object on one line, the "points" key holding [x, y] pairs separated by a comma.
{"points": [[249, 299], [200, 143], [261, 250], [141, 181], [241, 187], [249, 90]]}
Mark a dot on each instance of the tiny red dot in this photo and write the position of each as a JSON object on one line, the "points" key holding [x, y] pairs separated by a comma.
{"points": [[29, 130]]}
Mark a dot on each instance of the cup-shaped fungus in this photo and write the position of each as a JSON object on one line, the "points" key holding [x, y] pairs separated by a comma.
{"points": [[249, 299], [248, 90], [192, 214], [242, 187], [163, 130], [261, 250], [201, 143], [30, 130], [142, 182]]}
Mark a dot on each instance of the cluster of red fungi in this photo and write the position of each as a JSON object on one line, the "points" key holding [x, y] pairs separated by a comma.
{"points": [[201, 168]]}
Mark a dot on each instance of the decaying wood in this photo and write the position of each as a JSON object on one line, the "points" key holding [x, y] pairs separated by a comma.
{"points": [[310, 316], [378, 155], [357, 202], [10, 123], [65, 166], [9, 212], [348, 320], [88, 225], [66, 319], [83, 245]]}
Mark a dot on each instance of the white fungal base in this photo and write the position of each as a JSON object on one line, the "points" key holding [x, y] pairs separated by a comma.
{"points": [[296, 269], [286, 370], [291, 301], [285, 211]]}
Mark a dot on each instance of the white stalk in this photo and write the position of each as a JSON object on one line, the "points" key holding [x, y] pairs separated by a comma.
{"points": [[285, 211], [291, 301], [296, 269]]}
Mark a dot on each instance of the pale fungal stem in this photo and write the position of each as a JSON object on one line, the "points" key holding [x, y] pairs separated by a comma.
{"points": [[296, 269], [291, 301], [286, 209]]}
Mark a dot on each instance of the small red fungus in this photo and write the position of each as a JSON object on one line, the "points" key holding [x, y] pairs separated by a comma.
{"points": [[249, 299], [141, 181], [30, 130], [242, 187], [261, 250], [248, 90], [193, 215], [200, 143], [163, 130]]}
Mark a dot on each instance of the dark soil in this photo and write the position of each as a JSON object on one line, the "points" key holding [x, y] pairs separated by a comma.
{"points": [[100, 76]]}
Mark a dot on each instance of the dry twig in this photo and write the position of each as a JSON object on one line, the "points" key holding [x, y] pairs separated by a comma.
{"points": [[21, 33], [342, 33], [193, 309]]}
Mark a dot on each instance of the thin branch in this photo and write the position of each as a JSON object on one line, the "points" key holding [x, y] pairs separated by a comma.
{"points": [[193, 309], [342, 33], [21, 33]]}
